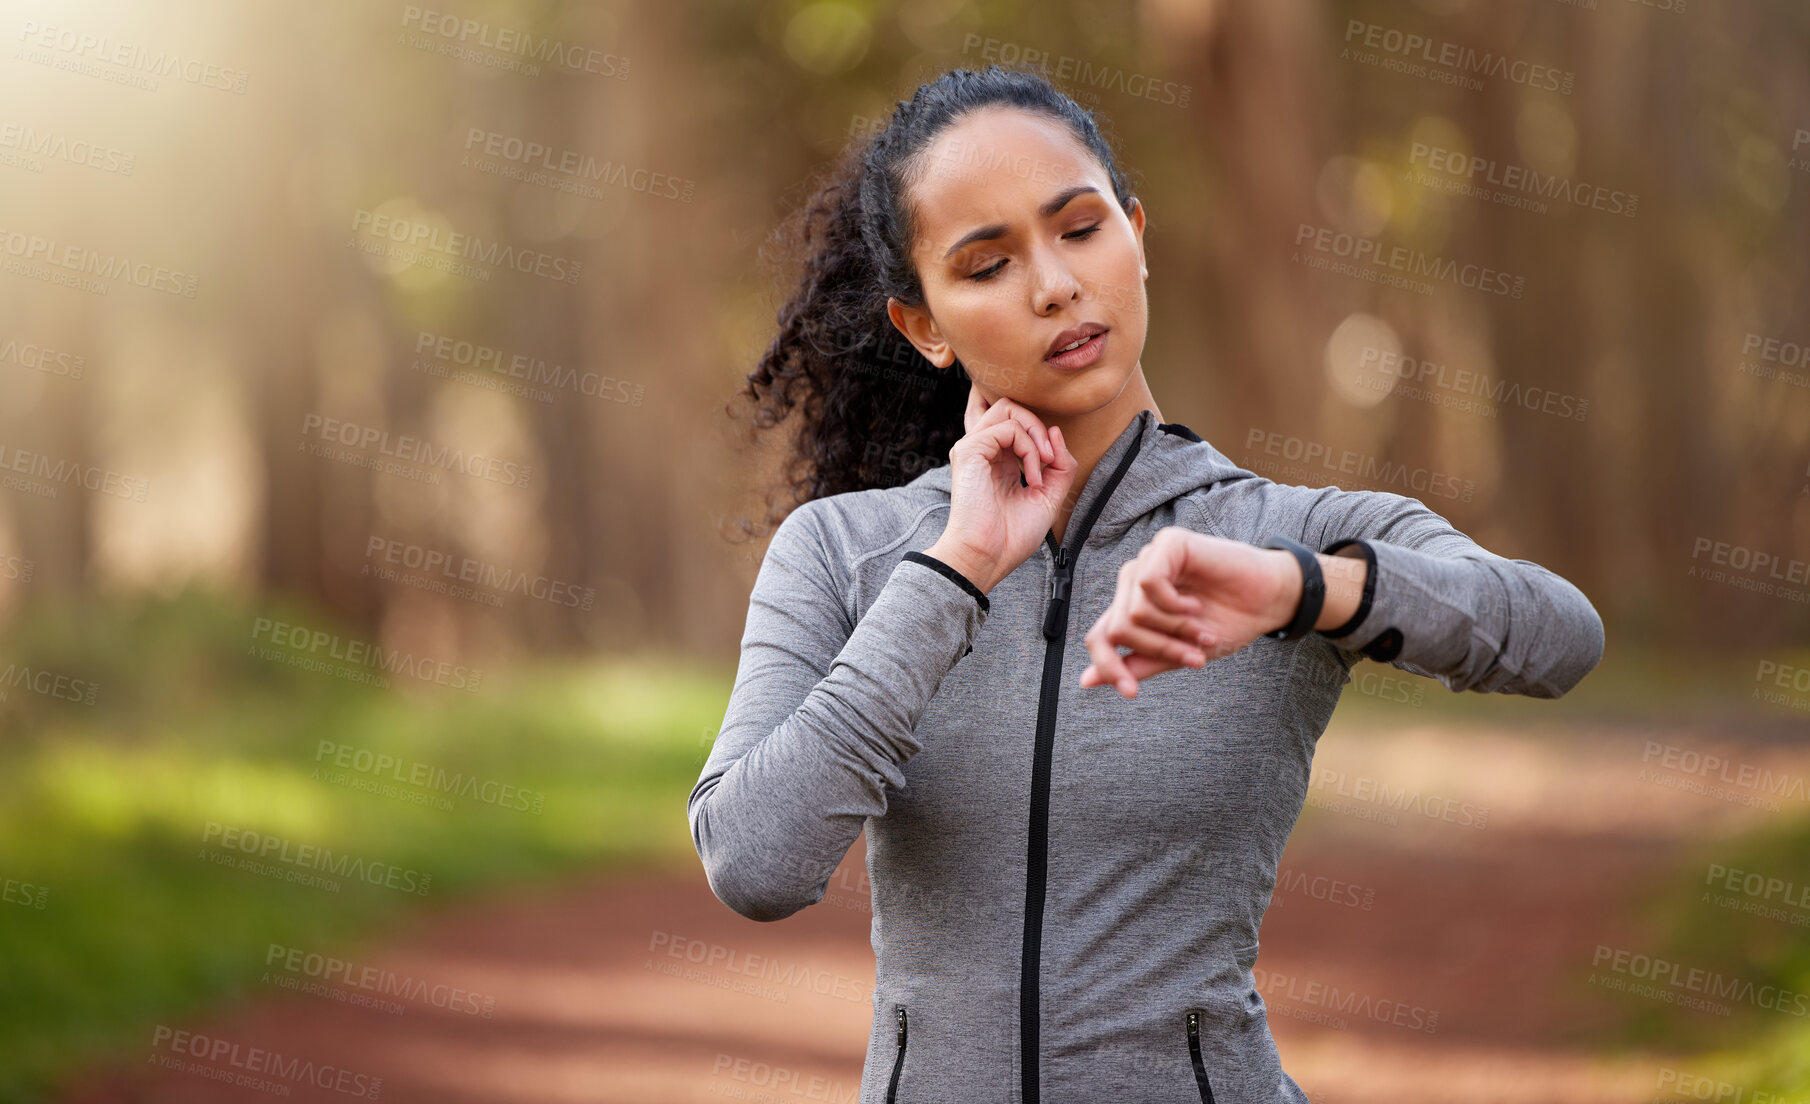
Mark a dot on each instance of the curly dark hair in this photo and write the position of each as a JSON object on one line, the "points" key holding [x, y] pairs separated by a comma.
{"points": [[869, 398]]}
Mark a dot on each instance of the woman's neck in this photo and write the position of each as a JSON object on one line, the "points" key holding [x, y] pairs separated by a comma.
{"points": [[1089, 436]]}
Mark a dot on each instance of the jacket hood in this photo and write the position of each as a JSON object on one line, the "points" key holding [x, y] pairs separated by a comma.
{"points": [[1171, 461]]}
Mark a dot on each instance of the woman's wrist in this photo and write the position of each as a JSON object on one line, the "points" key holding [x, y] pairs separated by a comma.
{"points": [[1344, 586], [1344, 581], [974, 568]]}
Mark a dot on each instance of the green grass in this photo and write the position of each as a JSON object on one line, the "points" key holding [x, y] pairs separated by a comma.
{"points": [[104, 808], [1763, 1045]]}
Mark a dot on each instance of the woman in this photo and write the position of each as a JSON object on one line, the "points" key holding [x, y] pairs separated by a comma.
{"points": [[1067, 884]]}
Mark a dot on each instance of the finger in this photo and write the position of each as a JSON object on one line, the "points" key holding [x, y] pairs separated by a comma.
{"points": [[1065, 460], [1147, 613], [1140, 666], [1176, 643], [1039, 432], [1158, 559], [1110, 665], [1033, 425], [1009, 433], [1179, 649], [977, 407], [1162, 594]]}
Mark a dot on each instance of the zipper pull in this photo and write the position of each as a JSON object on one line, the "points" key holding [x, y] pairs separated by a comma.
{"points": [[1194, 1026], [901, 1026], [1056, 619]]}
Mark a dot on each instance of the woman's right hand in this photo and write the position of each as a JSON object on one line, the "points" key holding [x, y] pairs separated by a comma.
{"points": [[1007, 478]]}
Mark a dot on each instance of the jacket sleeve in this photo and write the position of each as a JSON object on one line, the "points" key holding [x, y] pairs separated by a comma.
{"points": [[820, 718], [1438, 604]]}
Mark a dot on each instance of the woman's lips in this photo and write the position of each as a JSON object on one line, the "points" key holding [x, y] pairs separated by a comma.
{"points": [[1082, 355]]}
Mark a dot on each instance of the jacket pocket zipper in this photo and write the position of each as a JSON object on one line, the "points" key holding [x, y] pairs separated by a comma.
{"points": [[898, 1063], [1200, 1067]]}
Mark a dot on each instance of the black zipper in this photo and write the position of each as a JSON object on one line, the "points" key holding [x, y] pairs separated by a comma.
{"points": [[898, 1063], [1200, 1067], [1055, 632]]}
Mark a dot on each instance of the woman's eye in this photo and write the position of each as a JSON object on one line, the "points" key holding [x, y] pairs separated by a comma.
{"points": [[1078, 235]]}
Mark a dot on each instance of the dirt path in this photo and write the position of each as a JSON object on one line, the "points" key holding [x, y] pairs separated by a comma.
{"points": [[649, 990]]}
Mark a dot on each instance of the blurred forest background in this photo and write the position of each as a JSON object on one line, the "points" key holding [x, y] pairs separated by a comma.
{"points": [[1639, 320], [332, 332]]}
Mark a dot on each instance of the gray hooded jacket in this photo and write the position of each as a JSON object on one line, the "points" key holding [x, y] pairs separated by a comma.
{"points": [[1068, 886]]}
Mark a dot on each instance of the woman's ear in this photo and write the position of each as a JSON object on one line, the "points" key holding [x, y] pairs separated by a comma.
{"points": [[921, 330], [1137, 225]]}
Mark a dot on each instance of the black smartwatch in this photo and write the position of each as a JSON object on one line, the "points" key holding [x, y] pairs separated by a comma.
{"points": [[1313, 590]]}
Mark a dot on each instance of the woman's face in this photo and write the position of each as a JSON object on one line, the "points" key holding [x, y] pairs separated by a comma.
{"points": [[1018, 241]]}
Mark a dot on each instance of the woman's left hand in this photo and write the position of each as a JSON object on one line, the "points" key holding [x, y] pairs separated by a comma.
{"points": [[1187, 599]]}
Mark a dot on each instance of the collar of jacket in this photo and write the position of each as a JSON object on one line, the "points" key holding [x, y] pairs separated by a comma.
{"points": [[1172, 461]]}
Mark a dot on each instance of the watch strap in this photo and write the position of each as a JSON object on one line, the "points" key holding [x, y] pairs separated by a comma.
{"points": [[1313, 590]]}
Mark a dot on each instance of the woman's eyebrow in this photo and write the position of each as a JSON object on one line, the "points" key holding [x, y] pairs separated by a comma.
{"points": [[998, 229]]}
